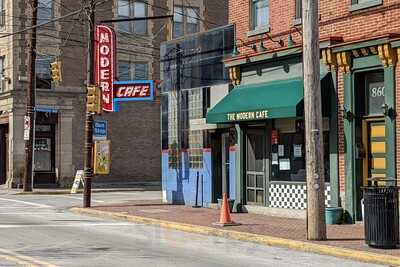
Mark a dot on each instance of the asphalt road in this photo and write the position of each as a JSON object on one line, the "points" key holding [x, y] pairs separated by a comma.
{"points": [[38, 230]]}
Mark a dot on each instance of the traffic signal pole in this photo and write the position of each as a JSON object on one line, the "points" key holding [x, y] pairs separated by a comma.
{"points": [[88, 153], [30, 104]]}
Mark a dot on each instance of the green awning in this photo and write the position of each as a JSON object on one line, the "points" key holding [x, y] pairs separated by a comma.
{"points": [[270, 100]]}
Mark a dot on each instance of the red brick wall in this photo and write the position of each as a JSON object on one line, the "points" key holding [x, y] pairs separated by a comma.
{"points": [[336, 20]]}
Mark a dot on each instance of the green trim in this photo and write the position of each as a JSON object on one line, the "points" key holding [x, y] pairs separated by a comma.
{"points": [[259, 31], [265, 56], [390, 123], [362, 63], [350, 166], [239, 169], [395, 44], [353, 46], [371, 3], [333, 146], [378, 171]]}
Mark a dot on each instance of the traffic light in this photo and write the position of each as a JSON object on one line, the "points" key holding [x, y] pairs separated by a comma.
{"points": [[56, 71], [93, 100]]}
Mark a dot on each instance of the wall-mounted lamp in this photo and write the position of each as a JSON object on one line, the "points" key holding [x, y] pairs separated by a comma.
{"points": [[261, 48], [388, 111], [290, 42], [235, 51], [347, 114]]}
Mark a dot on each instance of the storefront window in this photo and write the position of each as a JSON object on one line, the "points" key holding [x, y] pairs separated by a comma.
{"points": [[375, 93], [43, 154], [288, 151], [196, 141]]}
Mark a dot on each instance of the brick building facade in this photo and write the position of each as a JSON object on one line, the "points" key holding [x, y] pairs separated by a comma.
{"points": [[360, 89], [133, 131]]}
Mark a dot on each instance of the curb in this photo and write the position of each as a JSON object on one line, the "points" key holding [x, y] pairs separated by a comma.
{"points": [[363, 256], [67, 192]]}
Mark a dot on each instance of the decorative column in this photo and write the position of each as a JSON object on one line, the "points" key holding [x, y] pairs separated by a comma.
{"points": [[344, 62], [329, 59], [388, 57]]}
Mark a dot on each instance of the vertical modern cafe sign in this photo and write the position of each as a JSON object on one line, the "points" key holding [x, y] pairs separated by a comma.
{"points": [[105, 65]]}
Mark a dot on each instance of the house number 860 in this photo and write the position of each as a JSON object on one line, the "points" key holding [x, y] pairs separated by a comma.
{"points": [[378, 91]]}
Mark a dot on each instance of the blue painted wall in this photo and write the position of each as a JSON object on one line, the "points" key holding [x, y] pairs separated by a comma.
{"points": [[183, 191]]}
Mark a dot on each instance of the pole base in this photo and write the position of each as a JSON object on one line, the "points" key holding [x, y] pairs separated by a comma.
{"points": [[196, 206]]}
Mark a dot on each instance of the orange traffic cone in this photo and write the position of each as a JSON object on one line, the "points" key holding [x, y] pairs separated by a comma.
{"points": [[225, 217]]}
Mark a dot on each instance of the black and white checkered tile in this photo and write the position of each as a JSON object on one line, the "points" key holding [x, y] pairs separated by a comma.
{"points": [[292, 196]]}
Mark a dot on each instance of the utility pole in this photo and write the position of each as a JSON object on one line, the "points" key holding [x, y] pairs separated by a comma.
{"points": [[316, 226], [30, 104], [88, 168]]}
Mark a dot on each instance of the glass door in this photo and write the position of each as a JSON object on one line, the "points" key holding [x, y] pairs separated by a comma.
{"points": [[255, 166]]}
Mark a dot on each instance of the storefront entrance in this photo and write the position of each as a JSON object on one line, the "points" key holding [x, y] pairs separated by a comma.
{"points": [[44, 155], [44, 149], [370, 134], [255, 166], [3, 153], [225, 141]]}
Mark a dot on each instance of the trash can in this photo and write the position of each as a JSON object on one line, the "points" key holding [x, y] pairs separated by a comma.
{"points": [[381, 221]]}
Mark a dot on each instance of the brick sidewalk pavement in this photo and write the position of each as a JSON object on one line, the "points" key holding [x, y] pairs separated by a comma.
{"points": [[345, 236]]}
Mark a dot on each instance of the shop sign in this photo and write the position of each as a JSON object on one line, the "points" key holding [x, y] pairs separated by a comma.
{"points": [[105, 41], [247, 115], [137, 90], [102, 157], [99, 130]]}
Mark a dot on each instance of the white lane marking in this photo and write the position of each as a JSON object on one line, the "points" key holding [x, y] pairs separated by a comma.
{"points": [[80, 198], [2, 226], [26, 203]]}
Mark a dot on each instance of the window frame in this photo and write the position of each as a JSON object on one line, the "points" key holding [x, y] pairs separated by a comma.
{"points": [[185, 19], [298, 10], [2, 14], [2, 69], [356, 6], [42, 58], [132, 11], [253, 30], [46, 8], [132, 69]]}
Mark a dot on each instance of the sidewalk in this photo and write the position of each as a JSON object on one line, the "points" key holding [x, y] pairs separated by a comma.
{"points": [[340, 237], [64, 191]]}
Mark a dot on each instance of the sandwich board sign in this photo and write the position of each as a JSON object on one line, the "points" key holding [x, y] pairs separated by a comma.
{"points": [[77, 181]]}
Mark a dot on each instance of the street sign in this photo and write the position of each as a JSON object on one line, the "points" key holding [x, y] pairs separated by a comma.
{"points": [[77, 181], [136, 90], [99, 130], [102, 157], [27, 126]]}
